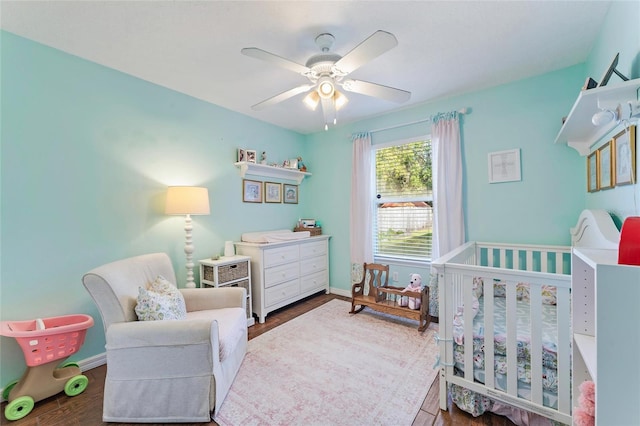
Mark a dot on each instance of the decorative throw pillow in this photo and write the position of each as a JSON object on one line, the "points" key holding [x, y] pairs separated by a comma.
{"points": [[162, 301]]}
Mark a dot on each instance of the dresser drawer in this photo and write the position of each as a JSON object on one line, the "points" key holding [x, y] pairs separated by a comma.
{"points": [[315, 281], [281, 292], [279, 274], [313, 249], [278, 256], [313, 264]]}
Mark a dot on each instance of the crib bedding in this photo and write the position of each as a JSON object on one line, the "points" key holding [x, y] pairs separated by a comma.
{"points": [[549, 347]]}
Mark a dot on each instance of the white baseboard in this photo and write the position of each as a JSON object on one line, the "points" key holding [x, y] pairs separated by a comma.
{"points": [[340, 292], [85, 364], [93, 362]]}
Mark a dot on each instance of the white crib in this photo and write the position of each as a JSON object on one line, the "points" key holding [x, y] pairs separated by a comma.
{"points": [[528, 362], [537, 266]]}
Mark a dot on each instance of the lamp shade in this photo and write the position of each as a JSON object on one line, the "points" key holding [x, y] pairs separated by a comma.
{"points": [[187, 200]]}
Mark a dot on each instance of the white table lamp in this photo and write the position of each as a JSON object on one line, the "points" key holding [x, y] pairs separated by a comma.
{"points": [[188, 200]]}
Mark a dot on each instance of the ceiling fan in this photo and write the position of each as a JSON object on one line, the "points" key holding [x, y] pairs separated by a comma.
{"points": [[327, 70]]}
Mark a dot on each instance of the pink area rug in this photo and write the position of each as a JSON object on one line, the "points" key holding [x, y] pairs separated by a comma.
{"points": [[328, 367]]}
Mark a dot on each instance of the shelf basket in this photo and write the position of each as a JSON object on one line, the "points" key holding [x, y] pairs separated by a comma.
{"points": [[313, 231]]}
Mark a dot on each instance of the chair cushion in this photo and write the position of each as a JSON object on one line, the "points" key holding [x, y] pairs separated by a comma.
{"points": [[232, 325], [161, 301]]}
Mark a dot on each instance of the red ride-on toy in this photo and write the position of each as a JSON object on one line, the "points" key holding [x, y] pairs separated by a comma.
{"points": [[44, 342]]}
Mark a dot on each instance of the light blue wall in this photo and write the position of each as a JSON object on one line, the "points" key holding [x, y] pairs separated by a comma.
{"points": [[87, 154], [619, 34], [526, 115]]}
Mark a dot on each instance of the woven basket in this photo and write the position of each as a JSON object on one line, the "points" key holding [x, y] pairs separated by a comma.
{"points": [[312, 231]]}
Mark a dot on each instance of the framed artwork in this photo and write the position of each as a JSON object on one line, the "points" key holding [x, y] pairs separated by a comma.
{"points": [[290, 193], [606, 166], [251, 156], [504, 166], [625, 156], [242, 155], [251, 191], [593, 177], [272, 192]]}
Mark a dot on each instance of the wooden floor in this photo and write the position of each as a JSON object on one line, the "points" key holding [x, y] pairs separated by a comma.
{"points": [[86, 408]]}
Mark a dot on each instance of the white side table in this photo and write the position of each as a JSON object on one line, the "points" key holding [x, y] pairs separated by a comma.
{"points": [[234, 271]]}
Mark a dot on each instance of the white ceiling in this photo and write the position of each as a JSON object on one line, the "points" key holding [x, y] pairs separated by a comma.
{"points": [[444, 48]]}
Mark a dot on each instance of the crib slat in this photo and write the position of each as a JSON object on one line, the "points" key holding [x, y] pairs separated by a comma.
{"points": [[489, 332], [512, 344], [543, 261], [468, 331], [529, 261], [503, 258], [535, 312], [564, 360], [516, 260]]}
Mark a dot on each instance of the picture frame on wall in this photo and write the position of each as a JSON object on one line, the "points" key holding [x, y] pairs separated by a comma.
{"points": [[272, 192], [593, 177], [504, 166], [290, 193], [251, 155], [242, 155], [251, 191], [625, 156], [606, 166]]}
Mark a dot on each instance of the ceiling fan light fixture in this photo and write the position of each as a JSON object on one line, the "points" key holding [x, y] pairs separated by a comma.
{"points": [[340, 100], [312, 100], [325, 87]]}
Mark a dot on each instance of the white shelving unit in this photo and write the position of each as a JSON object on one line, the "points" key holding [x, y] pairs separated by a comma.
{"points": [[233, 271], [578, 131], [247, 168], [606, 318]]}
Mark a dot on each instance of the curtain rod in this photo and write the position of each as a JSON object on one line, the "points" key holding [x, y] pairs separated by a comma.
{"points": [[460, 111]]}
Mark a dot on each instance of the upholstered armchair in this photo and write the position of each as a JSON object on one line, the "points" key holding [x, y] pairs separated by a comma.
{"points": [[166, 371]]}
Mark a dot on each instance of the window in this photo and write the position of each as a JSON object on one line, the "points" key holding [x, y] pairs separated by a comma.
{"points": [[403, 219]]}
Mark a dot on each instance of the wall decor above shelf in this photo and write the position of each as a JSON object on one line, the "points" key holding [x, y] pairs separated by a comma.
{"points": [[254, 169], [578, 131]]}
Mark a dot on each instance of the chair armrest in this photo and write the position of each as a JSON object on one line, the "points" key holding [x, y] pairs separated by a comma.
{"points": [[143, 350], [200, 299], [161, 333]]}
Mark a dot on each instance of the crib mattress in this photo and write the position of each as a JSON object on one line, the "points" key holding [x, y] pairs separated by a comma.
{"points": [[549, 343]]}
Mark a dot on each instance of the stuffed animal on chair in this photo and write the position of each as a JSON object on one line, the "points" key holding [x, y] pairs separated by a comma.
{"points": [[415, 284]]}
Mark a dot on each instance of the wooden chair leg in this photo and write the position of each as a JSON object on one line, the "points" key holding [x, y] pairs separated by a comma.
{"points": [[354, 310]]}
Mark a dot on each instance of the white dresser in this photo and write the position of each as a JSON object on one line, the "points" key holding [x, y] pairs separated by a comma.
{"points": [[284, 272]]}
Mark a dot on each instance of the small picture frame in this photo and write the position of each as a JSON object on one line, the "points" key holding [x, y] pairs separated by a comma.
{"points": [[251, 191], [290, 193], [504, 166], [625, 156], [593, 175], [606, 166], [242, 155], [272, 192], [251, 156]]}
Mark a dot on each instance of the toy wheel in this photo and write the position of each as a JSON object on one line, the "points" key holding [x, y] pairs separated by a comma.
{"points": [[69, 364], [19, 407], [7, 389], [76, 385]]}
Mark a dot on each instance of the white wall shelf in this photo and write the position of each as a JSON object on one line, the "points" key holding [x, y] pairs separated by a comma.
{"points": [[247, 168], [578, 131]]}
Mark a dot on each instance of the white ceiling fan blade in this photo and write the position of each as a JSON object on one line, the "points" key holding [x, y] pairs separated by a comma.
{"points": [[282, 96], [254, 52], [376, 90], [374, 46], [328, 111]]}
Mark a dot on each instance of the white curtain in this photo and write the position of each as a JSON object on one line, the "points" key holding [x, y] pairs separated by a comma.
{"points": [[361, 213], [448, 222]]}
